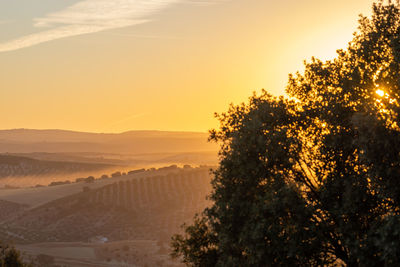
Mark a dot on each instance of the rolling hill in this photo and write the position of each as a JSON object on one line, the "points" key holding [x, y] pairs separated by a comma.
{"points": [[15, 166], [120, 221], [132, 142]]}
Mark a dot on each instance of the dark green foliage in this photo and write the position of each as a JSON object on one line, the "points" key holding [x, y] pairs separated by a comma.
{"points": [[313, 180], [200, 249], [10, 257]]}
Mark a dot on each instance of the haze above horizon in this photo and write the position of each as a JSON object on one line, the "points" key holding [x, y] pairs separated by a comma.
{"points": [[94, 132], [120, 65]]}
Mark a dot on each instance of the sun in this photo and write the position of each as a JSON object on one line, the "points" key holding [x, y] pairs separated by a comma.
{"points": [[380, 92]]}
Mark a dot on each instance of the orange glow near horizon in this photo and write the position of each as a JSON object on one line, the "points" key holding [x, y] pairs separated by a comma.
{"points": [[380, 92], [171, 72]]}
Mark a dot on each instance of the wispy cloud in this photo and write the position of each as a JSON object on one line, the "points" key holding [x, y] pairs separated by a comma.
{"points": [[205, 2], [89, 16], [143, 36]]}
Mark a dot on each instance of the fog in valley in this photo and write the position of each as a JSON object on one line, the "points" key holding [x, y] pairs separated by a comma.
{"points": [[83, 199]]}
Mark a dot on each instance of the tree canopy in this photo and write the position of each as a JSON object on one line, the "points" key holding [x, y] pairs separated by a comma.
{"points": [[10, 257], [312, 178]]}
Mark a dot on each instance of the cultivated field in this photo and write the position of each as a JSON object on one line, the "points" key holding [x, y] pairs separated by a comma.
{"points": [[125, 220]]}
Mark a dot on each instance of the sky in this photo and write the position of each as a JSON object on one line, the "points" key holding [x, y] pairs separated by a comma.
{"points": [[120, 65]]}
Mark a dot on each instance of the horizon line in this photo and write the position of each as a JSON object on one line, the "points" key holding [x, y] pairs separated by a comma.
{"points": [[94, 132]]}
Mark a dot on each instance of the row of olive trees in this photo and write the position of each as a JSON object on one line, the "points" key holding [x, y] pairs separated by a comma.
{"points": [[156, 191]]}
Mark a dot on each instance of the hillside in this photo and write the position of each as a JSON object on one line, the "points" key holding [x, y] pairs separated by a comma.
{"points": [[22, 166], [127, 219], [8, 209], [130, 208], [132, 142]]}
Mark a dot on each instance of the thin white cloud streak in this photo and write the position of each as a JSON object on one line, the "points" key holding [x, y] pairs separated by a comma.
{"points": [[89, 16], [143, 36], [205, 2]]}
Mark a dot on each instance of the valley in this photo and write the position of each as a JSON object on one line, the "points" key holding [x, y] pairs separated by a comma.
{"points": [[144, 207], [83, 199]]}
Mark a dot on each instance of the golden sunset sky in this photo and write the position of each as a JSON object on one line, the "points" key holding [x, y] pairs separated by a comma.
{"points": [[119, 65]]}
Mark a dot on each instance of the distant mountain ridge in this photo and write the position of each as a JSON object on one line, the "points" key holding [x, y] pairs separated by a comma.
{"points": [[131, 142], [56, 135]]}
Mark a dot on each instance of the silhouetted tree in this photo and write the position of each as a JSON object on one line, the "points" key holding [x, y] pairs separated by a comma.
{"points": [[104, 176], [10, 257], [116, 174], [314, 179], [89, 179]]}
